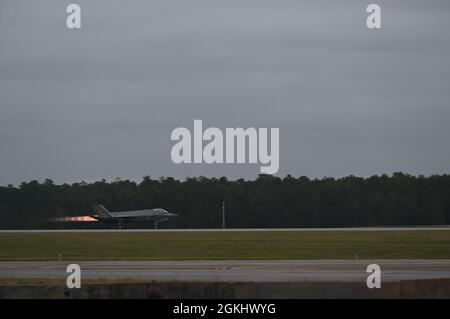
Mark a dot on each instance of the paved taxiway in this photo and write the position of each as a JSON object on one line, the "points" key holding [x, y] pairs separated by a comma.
{"points": [[233, 271], [345, 229]]}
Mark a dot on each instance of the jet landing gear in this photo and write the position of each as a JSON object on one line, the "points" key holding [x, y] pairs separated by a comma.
{"points": [[119, 225], [159, 221]]}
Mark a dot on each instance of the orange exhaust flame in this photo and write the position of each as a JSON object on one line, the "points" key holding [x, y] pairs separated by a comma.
{"points": [[74, 219]]}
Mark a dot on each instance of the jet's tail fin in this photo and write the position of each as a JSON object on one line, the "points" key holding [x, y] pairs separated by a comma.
{"points": [[101, 211]]}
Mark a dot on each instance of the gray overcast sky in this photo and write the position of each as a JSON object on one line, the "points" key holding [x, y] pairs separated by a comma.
{"points": [[101, 102]]}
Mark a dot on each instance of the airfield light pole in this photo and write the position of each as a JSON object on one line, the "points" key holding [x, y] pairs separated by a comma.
{"points": [[223, 214]]}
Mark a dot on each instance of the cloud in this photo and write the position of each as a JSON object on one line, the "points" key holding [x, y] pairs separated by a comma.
{"points": [[101, 102]]}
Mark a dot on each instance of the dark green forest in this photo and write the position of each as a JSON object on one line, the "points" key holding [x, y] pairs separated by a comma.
{"points": [[267, 201]]}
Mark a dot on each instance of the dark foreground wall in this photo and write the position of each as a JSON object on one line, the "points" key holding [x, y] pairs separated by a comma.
{"points": [[439, 288]]}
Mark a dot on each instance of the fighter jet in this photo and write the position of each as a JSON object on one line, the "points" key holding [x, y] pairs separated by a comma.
{"points": [[157, 215]]}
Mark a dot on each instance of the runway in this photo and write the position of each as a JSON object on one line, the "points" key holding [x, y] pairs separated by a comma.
{"points": [[344, 229], [233, 270]]}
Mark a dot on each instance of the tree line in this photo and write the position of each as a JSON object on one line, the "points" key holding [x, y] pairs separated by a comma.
{"points": [[267, 201]]}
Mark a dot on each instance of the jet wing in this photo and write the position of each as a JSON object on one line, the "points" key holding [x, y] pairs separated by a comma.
{"points": [[136, 213]]}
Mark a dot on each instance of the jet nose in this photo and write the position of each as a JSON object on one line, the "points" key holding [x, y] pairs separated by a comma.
{"points": [[171, 214]]}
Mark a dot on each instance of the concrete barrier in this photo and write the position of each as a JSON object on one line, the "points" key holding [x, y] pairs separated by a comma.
{"points": [[436, 288]]}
